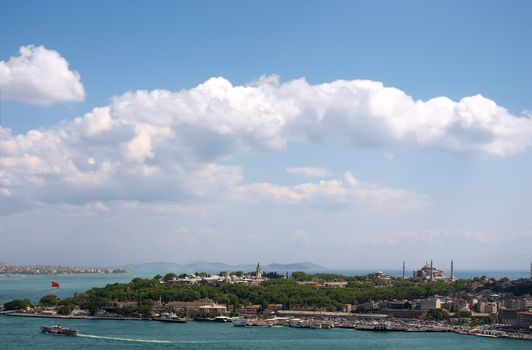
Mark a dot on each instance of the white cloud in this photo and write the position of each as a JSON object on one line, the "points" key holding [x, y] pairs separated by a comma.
{"points": [[39, 76], [268, 115], [309, 171], [163, 145], [332, 193]]}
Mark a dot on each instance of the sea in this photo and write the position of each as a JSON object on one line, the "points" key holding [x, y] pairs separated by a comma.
{"points": [[23, 332]]}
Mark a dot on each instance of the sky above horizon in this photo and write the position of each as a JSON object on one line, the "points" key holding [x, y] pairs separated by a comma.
{"points": [[349, 134]]}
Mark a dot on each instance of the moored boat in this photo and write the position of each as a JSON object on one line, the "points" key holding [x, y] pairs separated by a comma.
{"points": [[222, 319], [242, 322]]}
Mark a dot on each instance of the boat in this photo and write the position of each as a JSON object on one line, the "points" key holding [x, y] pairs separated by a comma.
{"points": [[378, 327], [297, 323], [59, 330], [488, 333], [222, 319], [261, 323], [242, 322], [213, 319], [170, 317]]}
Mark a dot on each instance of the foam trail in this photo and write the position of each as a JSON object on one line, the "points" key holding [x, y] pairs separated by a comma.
{"points": [[125, 339]]}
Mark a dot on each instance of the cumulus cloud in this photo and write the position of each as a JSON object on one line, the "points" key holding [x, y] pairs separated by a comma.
{"points": [[266, 115], [164, 145], [308, 171], [333, 193], [39, 76]]}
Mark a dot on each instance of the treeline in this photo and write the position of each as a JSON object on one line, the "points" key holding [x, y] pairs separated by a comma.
{"points": [[274, 291]]}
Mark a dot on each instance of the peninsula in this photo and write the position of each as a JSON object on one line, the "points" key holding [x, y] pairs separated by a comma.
{"points": [[428, 301]]}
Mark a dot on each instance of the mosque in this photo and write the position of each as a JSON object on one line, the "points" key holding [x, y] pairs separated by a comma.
{"points": [[429, 273]]}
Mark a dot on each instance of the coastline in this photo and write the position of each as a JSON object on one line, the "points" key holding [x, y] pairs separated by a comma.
{"points": [[86, 317], [260, 323]]}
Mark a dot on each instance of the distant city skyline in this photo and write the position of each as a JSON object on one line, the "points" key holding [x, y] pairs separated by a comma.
{"points": [[351, 135]]}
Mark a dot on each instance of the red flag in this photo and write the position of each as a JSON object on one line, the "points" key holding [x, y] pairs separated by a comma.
{"points": [[55, 284]]}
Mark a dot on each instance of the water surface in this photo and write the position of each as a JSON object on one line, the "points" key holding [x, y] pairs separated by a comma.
{"points": [[23, 333]]}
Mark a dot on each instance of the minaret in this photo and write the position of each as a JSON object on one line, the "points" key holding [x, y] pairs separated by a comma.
{"points": [[431, 272], [452, 271], [258, 272], [403, 269]]}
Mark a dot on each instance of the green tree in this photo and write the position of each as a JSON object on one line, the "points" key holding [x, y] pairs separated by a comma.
{"points": [[170, 276], [462, 314], [49, 300], [146, 307], [437, 314], [301, 276], [17, 304], [65, 309]]}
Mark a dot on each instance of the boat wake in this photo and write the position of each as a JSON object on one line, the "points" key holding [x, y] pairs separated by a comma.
{"points": [[170, 342], [125, 339]]}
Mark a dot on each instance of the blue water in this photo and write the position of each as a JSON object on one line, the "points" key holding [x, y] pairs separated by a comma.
{"points": [[33, 287], [23, 333]]}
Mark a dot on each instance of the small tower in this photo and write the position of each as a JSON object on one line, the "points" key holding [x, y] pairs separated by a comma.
{"points": [[431, 272], [258, 272], [452, 271], [403, 269]]}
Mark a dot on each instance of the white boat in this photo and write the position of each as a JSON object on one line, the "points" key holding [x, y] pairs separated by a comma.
{"points": [[241, 322], [222, 319]]}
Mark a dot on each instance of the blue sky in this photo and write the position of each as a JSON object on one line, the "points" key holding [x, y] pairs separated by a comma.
{"points": [[416, 195]]}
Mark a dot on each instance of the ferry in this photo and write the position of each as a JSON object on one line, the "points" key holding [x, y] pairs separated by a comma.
{"points": [[59, 330]]}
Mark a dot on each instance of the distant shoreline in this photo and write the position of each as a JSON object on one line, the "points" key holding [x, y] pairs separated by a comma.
{"points": [[18, 274]]}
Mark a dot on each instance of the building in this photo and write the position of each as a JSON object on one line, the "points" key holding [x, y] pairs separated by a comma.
{"points": [[335, 284], [524, 303], [524, 320], [201, 307], [508, 316], [404, 313], [380, 278], [126, 303], [275, 307], [509, 303], [429, 273], [488, 308], [491, 308], [249, 310], [431, 303], [212, 310]]}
